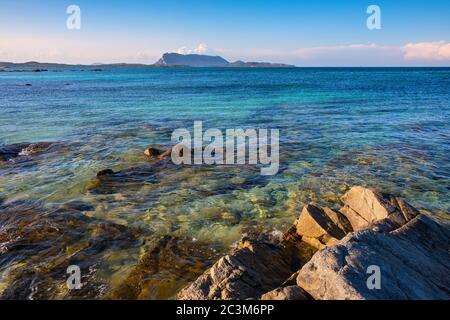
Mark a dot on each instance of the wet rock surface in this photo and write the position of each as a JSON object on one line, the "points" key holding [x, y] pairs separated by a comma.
{"points": [[37, 246], [23, 152], [11, 151], [411, 250], [165, 268]]}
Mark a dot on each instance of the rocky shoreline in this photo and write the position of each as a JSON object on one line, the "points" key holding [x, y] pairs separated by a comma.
{"points": [[327, 253]]}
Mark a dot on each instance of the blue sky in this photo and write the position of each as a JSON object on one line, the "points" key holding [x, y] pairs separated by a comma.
{"points": [[310, 33]]}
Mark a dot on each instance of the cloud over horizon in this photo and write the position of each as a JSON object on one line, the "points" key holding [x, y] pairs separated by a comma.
{"points": [[20, 49], [429, 51], [200, 49]]}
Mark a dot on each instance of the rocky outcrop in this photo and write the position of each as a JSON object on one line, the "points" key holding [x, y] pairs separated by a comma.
{"points": [[320, 227], [364, 207], [414, 263], [337, 248], [257, 265]]}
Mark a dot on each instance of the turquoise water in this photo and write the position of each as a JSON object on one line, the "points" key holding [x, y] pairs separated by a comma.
{"points": [[383, 128]]}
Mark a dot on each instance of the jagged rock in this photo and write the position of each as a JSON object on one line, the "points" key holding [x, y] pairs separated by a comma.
{"points": [[411, 250], [363, 207], [414, 263], [287, 293], [320, 227], [257, 266]]}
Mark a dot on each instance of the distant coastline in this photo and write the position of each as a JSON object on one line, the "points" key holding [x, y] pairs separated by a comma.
{"points": [[170, 60]]}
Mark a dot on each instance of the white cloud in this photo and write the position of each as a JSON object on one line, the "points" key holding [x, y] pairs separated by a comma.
{"points": [[201, 48], [313, 52], [334, 55], [431, 51]]}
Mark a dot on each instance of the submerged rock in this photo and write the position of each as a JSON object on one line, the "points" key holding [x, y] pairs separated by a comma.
{"points": [[25, 151], [105, 172], [165, 268], [11, 151], [108, 181], [152, 152], [77, 206], [37, 246], [35, 148]]}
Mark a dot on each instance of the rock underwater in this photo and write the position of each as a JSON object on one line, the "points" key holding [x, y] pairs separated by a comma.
{"points": [[327, 255]]}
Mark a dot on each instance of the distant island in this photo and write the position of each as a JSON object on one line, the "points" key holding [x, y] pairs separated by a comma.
{"points": [[167, 60], [199, 60]]}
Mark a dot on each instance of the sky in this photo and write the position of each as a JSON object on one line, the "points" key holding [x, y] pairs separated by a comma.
{"points": [[300, 32]]}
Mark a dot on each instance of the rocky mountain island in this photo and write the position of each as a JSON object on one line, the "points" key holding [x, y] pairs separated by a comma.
{"points": [[167, 60], [198, 60]]}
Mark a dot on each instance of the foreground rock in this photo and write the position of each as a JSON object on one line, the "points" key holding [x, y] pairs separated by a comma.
{"points": [[414, 263], [320, 227], [364, 207], [256, 266], [287, 293], [410, 249]]}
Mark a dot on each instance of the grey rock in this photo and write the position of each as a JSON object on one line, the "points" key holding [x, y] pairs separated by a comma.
{"points": [[414, 262], [256, 266]]}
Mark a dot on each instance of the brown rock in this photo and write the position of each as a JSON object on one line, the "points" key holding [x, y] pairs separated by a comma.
{"points": [[152, 152], [316, 226], [363, 207], [287, 293]]}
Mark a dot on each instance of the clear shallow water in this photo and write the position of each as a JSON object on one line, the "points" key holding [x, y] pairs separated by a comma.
{"points": [[383, 128]]}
